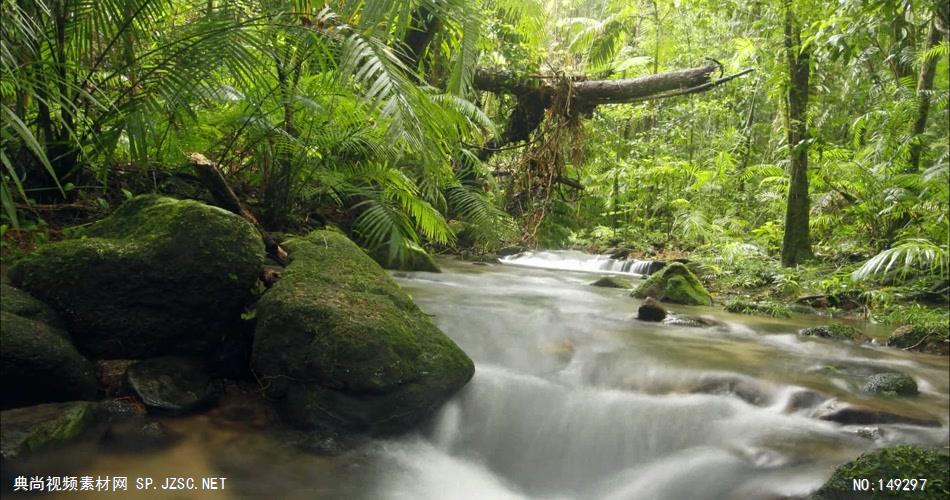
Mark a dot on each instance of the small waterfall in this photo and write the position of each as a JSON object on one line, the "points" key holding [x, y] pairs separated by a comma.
{"points": [[569, 260]]}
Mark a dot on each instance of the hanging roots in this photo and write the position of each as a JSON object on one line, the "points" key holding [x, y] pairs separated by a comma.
{"points": [[557, 141]]}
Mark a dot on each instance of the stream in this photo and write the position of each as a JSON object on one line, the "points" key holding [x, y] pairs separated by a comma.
{"points": [[574, 399]]}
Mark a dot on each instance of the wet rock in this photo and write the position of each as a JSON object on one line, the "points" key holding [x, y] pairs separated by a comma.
{"points": [[892, 383], [692, 321], [802, 400], [745, 389], [123, 407], [849, 414], [24, 305], [33, 428], [872, 433], [39, 364], [171, 384], [612, 282], [674, 283], [514, 250], [651, 310], [159, 276], [835, 331], [340, 346], [138, 435], [901, 462], [111, 375], [931, 340]]}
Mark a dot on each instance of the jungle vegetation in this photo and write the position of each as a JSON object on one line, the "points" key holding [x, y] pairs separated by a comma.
{"points": [[792, 147]]}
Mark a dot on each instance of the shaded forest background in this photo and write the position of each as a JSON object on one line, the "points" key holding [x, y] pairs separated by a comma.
{"points": [[459, 126]]}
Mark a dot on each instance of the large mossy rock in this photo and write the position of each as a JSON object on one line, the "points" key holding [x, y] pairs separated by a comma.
{"points": [[344, 348], [38, 363], [159, 276], [34, 428], [674, 283], [901, 462]]}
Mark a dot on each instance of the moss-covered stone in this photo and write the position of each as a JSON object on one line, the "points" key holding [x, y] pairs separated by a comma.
{"points": [[924, 338], [761, 308], [416, 260], [22, 304], [343, 347], [891, 383], [159, 276], [835, 331], [901, 462], [612, 282], [33, 428], [171, 384], [674, 283], [38, 364]]}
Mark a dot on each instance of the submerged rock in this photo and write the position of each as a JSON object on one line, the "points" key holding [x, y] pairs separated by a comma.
{"points": [[33, 428], [900, 462], [38, 364], [159, 276], [674, 283], [849, 414], [893, 383], [171, 384], [612, 282], [651, 310], [341, 346]]}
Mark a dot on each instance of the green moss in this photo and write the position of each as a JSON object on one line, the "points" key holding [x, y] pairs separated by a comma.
{"points": [[834, 331], [25, 305], [762, 308], [38, 364], [908, 462], [928, 337], [33, 428], [158, 276], [891, 383], [337, 330], [674, 283]]}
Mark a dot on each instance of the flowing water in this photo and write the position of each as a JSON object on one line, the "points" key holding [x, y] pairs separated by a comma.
{"points": [[573, 398]]}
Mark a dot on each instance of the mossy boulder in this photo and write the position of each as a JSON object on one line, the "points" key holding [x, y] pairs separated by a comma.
{"points": [[34, 428], [674, 283], [15, 301], [891, 383], [835, 331], [343, 348], [38, 364], [924, 338], [907, 462], [159, 276], [612, 282]]}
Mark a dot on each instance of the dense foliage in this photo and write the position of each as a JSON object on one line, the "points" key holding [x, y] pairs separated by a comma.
{"points": [[367, 115]]}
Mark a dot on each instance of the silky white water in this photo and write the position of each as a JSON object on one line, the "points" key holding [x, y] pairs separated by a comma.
{"points": [[573, 398]]}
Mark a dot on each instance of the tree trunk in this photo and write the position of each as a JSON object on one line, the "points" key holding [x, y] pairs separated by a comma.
{"points": [[925, 83], [535, 94], [796, 243]]}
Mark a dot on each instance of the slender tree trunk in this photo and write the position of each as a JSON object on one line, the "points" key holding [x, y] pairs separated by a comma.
{"points": [[796, 243], [925, 83]]}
